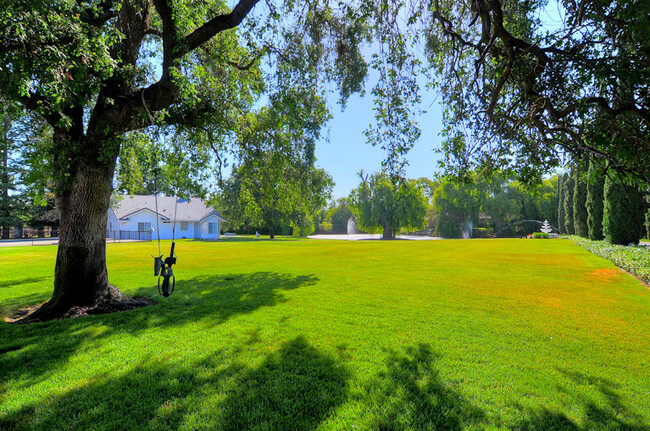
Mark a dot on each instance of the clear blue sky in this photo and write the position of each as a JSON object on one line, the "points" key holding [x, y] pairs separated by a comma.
{"points": [[347, 152]]}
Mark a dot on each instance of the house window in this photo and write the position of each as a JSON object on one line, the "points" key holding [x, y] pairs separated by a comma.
{"points": [[212, 227], [183, 225], [144, 227]]}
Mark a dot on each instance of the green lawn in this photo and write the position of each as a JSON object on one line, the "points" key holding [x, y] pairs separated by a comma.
{"points": [[301, 335]]}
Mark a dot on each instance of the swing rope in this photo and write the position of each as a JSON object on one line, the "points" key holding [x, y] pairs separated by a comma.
{"points": [[162, 268], [175, 209], [155, 197]]}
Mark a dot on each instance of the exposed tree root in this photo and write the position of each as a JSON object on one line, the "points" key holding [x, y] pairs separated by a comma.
{"points": [[112, 302]]}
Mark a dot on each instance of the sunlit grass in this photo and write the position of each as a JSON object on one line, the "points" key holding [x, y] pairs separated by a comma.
{"points": [[298, 334]]}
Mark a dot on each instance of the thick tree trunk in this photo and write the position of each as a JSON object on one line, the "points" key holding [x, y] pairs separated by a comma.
{"points": [[271, 230], [388, 233], [81, 277]]}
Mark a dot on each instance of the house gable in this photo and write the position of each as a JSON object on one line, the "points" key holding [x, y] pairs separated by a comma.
{"points": [[214, 216], [172, 214], [142, 211]]}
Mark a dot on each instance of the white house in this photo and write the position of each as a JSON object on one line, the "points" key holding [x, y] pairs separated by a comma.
{"points": [[194, 218]]}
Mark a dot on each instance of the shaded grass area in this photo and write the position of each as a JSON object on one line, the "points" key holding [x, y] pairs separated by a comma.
{"points": [[495, 334]]}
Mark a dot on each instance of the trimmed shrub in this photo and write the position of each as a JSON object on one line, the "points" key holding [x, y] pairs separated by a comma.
{"points": [[622, 213], [580, 204], [568, 187], [595, 202], [560, 203]]}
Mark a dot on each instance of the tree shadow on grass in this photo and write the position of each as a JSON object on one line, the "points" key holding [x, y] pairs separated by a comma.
{"points": [[17, 283], [410, 394], [295, 388], [153, 395], [613, 414], [30, 353], [218, 298]]}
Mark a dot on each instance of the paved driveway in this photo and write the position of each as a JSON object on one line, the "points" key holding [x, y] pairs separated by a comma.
{"points": [[28, 241]]}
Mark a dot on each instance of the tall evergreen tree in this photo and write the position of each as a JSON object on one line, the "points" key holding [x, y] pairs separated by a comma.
{"points": [[580, 202], [5, 185], [9, 204], [623, 212], [595, 202], [569, 185], [561, 216]]}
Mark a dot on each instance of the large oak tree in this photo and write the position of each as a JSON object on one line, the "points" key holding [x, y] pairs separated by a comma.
{"points": [[85, 67], [98, 70]]}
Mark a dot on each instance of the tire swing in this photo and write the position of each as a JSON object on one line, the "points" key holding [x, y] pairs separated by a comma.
{"points": [[163, 268]]}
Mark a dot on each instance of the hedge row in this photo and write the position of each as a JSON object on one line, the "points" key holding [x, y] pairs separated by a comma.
{"points": [[635, 260]]}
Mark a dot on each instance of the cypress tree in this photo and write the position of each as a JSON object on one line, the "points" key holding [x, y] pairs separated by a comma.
{"points": [[623, 213], [595, 202], [580, 203], [560, 203], [568, 205]]}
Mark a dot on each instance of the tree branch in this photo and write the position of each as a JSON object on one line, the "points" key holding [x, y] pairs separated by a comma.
{"points": [[216, 25]]}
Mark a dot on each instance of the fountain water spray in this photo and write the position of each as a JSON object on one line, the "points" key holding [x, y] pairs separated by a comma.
{"points": [[352, 226]]}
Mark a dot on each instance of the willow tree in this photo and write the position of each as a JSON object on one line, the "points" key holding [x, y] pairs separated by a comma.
{"points": [[275, 182], [382, 204]]}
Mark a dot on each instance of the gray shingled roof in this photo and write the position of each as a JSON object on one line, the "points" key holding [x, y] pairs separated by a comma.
{"points": [[187, 211]]}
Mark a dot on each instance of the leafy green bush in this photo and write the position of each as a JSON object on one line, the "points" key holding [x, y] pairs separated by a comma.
{"points": [[540, 235], [635, 260]]}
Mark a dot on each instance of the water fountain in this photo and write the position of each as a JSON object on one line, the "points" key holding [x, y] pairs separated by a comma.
{"points": [[352, 226], [467, 230]]}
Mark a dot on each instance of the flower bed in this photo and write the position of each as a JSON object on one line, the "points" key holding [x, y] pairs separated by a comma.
{"points": [[635, 260]]}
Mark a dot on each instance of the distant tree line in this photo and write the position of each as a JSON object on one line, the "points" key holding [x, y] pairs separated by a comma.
{"points": [[585, 201], [490, 207], [443, 207]]}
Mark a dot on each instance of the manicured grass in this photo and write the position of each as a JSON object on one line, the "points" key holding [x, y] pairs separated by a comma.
{"points": [[635, 260], [298, 334]]}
